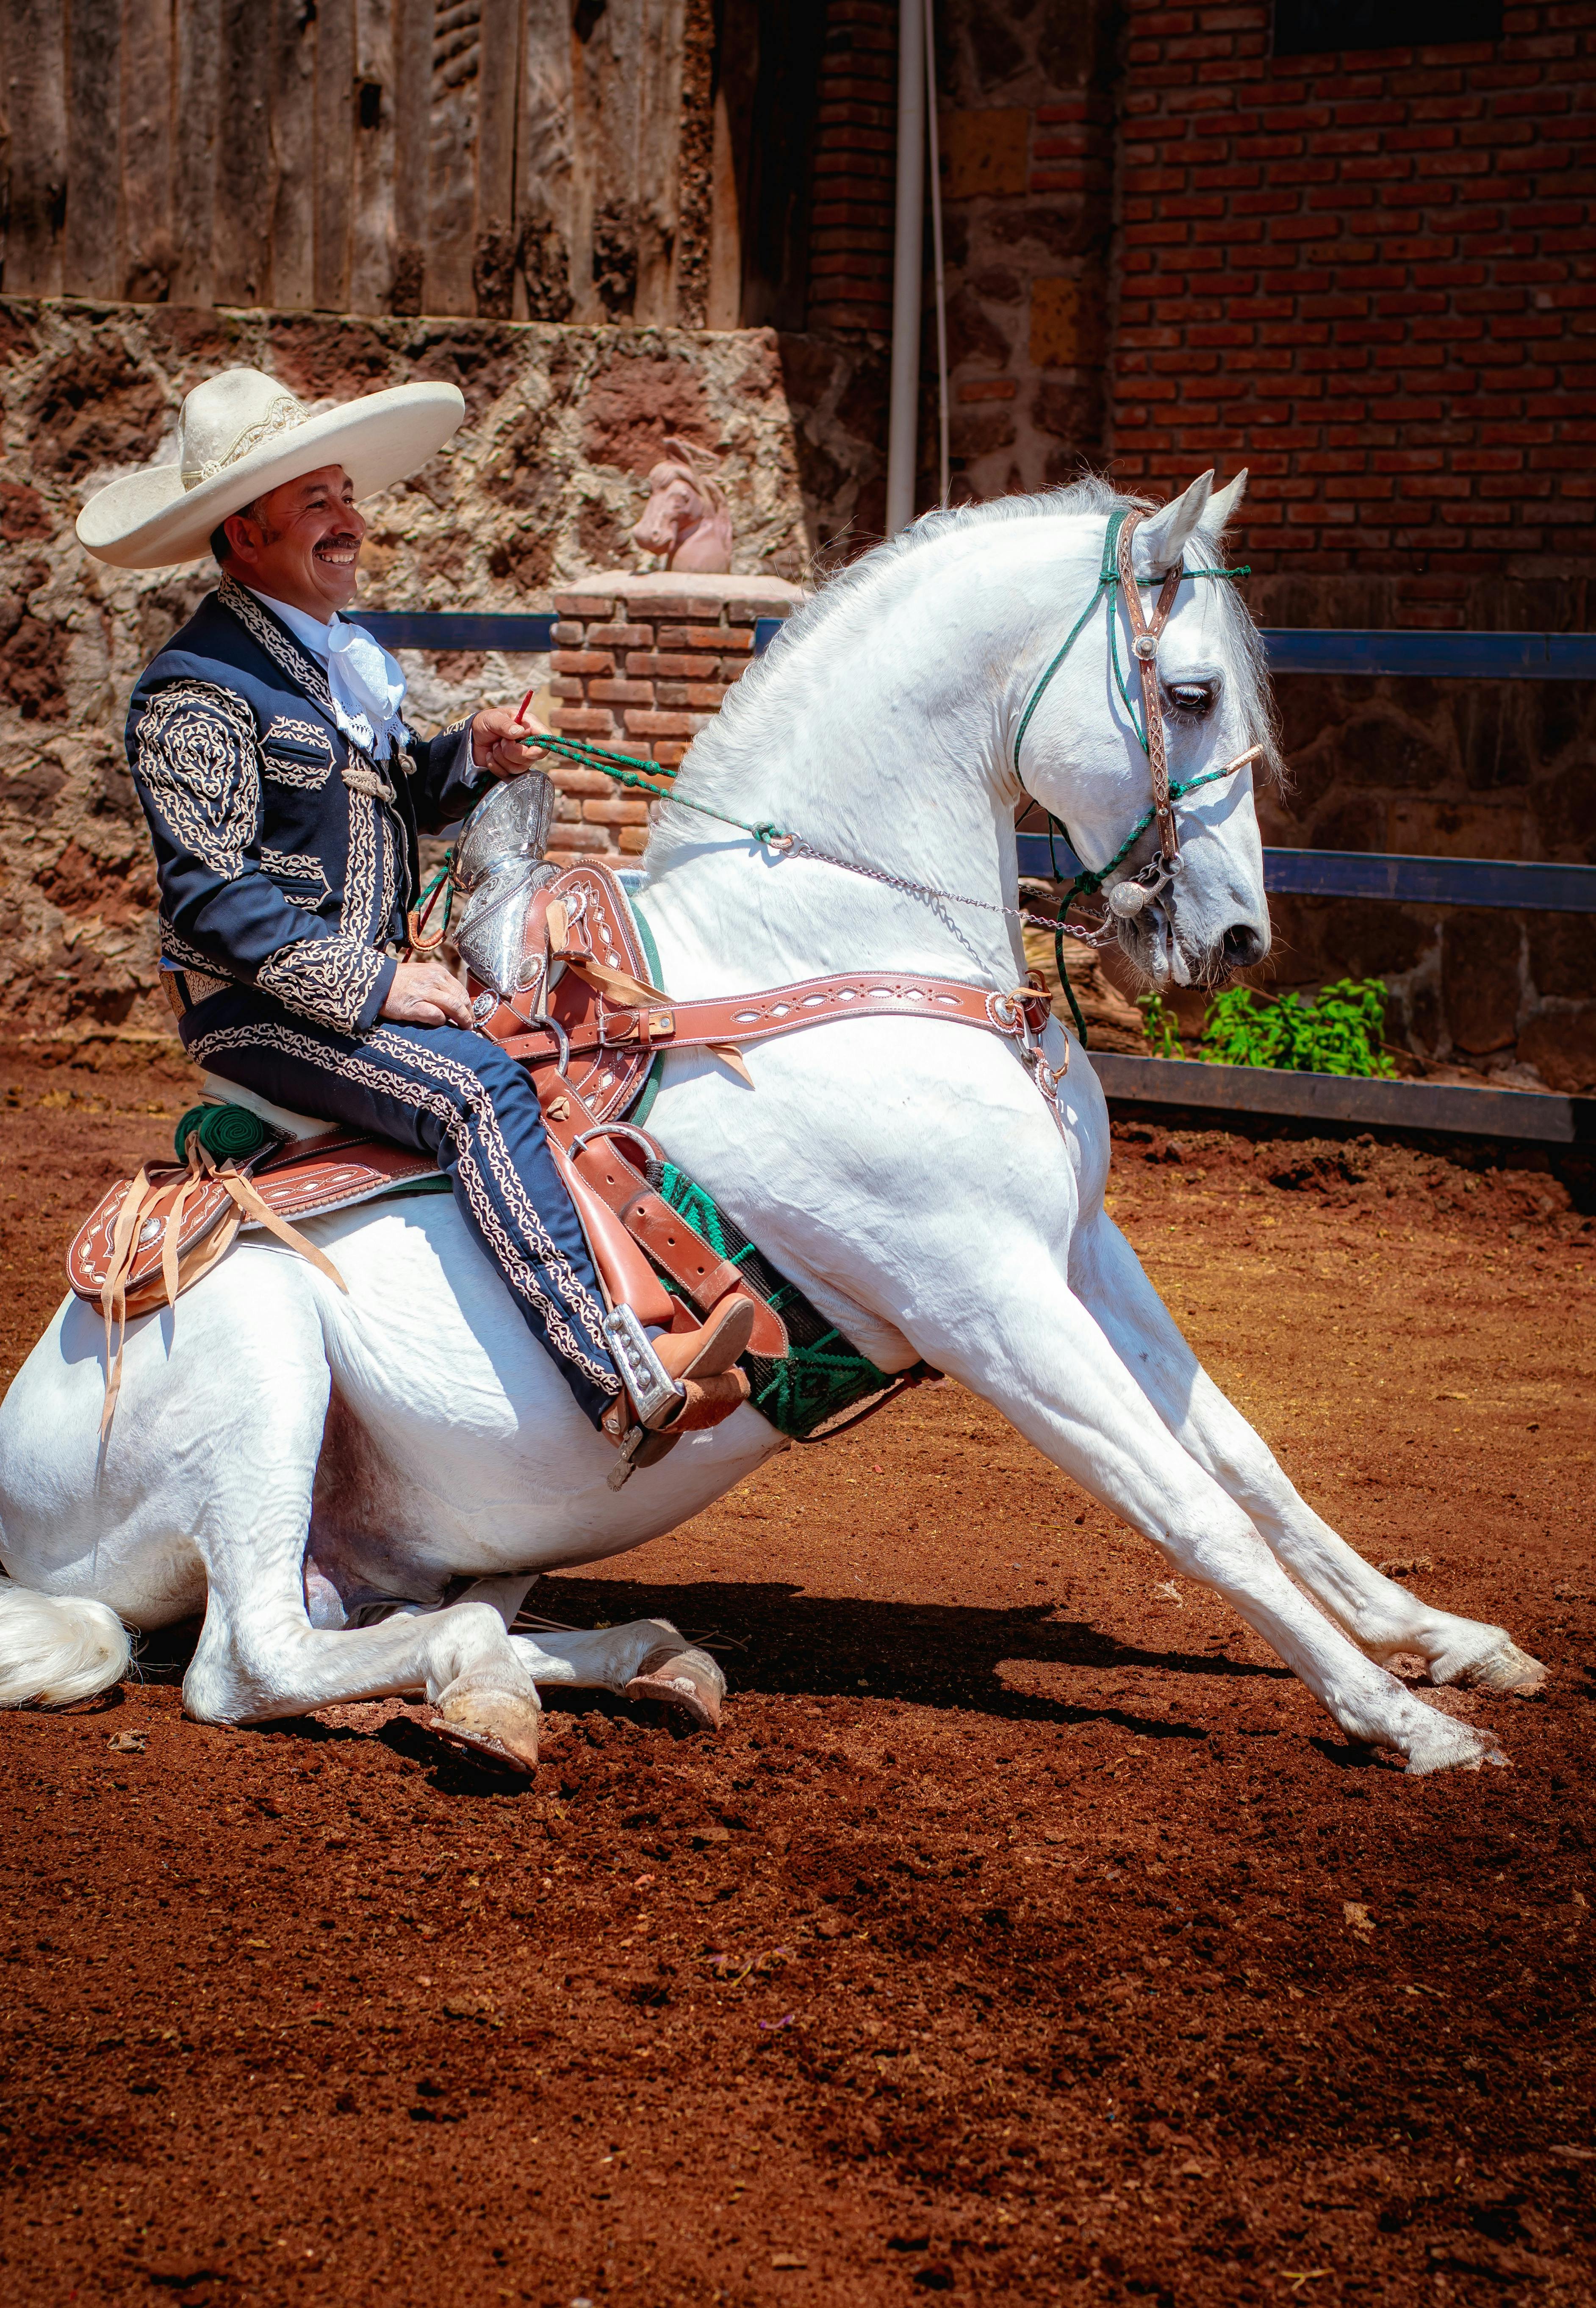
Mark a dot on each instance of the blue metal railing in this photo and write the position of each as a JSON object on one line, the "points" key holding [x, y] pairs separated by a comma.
{"points": [[1442, 657], [1404, 881], [1297, 872]]}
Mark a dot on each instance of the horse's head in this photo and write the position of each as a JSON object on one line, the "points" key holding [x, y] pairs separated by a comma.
{"points": [[685, 517], [1083, 758]]}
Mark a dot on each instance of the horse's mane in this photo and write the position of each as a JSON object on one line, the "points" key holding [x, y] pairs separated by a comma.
{"points": [[757, 710]]}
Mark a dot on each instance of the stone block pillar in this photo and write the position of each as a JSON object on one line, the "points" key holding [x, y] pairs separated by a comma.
{"points": [[640, 665]]}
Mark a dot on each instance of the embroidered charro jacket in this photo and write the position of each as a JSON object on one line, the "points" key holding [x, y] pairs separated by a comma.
{"points": [[286, 856]]}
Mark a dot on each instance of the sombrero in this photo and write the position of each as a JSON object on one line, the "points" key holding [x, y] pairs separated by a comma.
{"points": [[242, 434]]}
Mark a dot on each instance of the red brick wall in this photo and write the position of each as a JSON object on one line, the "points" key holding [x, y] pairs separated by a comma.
{"points": [[855, 170], [639, 670], [1370, 278]]}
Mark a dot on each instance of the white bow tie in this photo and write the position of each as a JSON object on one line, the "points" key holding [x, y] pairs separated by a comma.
{"points": [[367, 687]]}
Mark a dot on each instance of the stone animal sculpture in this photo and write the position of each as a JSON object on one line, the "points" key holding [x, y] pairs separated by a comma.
{"points": [[354, 1517], [687, 517]]}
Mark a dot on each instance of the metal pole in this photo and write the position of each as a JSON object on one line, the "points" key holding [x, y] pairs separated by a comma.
{"points": [[939, 271], [903, 426]]}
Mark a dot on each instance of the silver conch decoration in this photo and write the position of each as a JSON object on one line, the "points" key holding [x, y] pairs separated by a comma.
{"points": [[498, 869]]}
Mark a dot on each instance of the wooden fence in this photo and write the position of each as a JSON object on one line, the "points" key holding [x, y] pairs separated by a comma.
{"points": [[544, 159]]}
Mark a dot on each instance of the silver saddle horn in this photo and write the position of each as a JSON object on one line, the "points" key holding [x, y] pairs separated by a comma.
{"points": [[498, 868]]}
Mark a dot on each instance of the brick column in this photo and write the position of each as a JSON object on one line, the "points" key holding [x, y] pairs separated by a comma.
{"points": [[640, 665]]}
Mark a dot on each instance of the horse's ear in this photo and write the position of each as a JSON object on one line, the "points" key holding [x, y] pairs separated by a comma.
{"points": [[701, 466], [1161, 540], [1222, 504]]}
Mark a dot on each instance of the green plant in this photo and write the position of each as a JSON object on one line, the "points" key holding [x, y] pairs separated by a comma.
{"points": [[1157, 1024], [1341, 1032]]}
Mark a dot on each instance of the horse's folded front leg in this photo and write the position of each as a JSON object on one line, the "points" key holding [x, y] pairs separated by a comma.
{"points": [[259, 1660], [1062, 1383]]}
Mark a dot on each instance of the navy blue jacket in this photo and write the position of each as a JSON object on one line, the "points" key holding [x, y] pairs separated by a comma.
{"points": [[286, 856]]}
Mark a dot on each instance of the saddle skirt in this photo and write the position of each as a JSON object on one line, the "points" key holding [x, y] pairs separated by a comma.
{"points": [[294, 1179]]}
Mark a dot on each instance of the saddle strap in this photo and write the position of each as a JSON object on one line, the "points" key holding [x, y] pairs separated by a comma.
{"points": [[647, 1217], [734, 1019]]}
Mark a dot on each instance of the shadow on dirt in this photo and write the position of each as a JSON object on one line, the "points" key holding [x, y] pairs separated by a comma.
{"points": [[779, 1640], [775, 1640]]}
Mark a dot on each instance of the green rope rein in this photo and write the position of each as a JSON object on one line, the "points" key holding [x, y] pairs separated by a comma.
{"points": [[626, 771], [1088, 880]]}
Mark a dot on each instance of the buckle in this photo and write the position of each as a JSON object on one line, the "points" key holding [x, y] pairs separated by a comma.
{"points": [[619, 1028]]}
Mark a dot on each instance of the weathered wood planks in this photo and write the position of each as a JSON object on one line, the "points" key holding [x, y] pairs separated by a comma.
{"points": [[541, 159]]}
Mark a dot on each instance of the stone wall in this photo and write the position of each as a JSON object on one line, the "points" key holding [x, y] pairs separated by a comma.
{"points": [[540, 487], [1027, 135]]}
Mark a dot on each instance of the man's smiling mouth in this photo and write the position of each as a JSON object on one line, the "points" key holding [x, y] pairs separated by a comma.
{"points": [[341, 551]]}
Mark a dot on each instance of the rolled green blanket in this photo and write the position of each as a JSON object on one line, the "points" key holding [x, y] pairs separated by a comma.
{"points": [[228, 1133]]}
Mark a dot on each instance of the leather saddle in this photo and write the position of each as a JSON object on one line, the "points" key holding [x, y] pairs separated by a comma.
{"points": [[291, 1178], [582, 953]]}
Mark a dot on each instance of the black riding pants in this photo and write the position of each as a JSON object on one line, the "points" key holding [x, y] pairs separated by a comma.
{"points": [[457, 1097]]}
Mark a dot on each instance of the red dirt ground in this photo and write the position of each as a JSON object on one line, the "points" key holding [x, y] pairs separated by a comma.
{"points": [[1028, 1934]]}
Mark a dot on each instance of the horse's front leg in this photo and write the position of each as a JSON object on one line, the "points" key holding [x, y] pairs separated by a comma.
{"points": [[1038, 1353], [1383, 1619]]}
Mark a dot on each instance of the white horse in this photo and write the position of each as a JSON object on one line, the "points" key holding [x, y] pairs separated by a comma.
{"points": [[358, 1491]]}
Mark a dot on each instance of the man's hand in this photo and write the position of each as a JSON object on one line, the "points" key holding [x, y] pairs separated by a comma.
{"points": [[424, 994], [496, 741]]}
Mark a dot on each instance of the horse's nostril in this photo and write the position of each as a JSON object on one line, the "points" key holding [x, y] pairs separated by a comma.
{"points": [[1242, 945]]}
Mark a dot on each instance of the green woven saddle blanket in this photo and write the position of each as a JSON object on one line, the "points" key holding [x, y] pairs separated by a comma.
{"points": [[824, 1373]]}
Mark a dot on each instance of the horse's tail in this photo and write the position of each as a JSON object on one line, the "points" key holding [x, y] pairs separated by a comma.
{"points": [[56, 1648]]}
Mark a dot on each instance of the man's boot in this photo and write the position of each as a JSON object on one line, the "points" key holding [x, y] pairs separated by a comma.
{"points": [[701, 1369]]}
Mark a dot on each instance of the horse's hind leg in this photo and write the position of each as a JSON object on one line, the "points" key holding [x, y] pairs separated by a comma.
{"points": [[259, 1658], [1383, 1619], [647, 1659]]}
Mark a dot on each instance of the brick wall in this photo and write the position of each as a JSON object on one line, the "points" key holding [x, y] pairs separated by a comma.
{"points": [[855, 170], [1369, 278], [640, 665]]}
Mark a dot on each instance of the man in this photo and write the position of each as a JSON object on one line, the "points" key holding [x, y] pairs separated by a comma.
{"points": [[285, 794]]}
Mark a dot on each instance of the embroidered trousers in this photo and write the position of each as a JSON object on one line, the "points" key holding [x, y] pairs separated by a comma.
{"points": [[459, 1098]]}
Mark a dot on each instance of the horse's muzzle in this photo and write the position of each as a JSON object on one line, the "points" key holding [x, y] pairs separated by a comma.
{"points": [[1242, 947]]}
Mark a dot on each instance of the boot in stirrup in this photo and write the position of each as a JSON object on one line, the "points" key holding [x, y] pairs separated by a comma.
{"points": [[682, 1381]]}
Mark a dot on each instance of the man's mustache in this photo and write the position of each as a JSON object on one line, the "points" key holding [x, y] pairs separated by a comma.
{"points": [[344, 537]]}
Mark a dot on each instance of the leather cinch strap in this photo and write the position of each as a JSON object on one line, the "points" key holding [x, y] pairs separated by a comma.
{"points": [[604, 1172], [735, 1019]]}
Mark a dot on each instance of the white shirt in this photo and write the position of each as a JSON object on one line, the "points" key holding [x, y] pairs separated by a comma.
{"points": [[367, 688]]}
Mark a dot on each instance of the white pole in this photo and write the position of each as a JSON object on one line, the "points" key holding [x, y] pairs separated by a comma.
{"points": [[939, 271], [903, 426]]}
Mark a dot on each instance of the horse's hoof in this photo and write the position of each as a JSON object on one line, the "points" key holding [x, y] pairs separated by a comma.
{"points": [[687, 1679], [1503, 1672], [1451, 1746], [501, 1727]]}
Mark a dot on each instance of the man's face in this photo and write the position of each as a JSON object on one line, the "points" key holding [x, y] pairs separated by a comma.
{"points": [[301, 544]]}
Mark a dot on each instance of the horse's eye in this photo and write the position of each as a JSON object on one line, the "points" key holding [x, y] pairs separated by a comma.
{"points": [[1193, 697]]}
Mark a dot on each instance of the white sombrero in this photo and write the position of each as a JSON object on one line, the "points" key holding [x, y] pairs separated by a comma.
{"points": [[240, 435]]}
